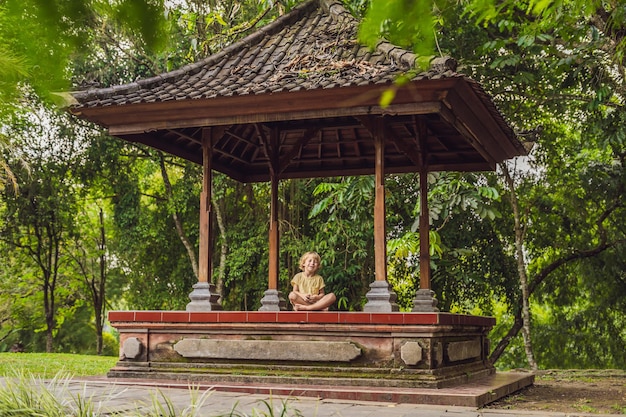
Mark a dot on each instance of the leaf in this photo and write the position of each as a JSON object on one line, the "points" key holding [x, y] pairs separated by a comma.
{"points": [[526, 40], [387, 97], [321, 206], [545, 37], [540, 7]]}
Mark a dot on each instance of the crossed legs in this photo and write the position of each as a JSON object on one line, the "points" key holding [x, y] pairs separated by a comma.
{"points": [[300, 304]]}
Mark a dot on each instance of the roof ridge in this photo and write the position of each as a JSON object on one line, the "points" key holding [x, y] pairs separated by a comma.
{"points": [[336, 10], [402, 57], [405, 57]]}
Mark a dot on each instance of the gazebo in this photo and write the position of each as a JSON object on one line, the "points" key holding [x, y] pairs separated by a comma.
{"points": [[300, 98]]}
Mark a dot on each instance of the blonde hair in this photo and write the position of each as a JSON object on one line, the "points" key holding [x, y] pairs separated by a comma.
{"points": [[308, 255]]}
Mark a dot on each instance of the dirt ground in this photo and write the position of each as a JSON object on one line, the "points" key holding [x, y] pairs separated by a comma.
{"points": [[567, 391]]}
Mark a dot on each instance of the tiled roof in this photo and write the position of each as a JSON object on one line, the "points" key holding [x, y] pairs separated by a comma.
{"points": [[312, 47], [300, 98]]}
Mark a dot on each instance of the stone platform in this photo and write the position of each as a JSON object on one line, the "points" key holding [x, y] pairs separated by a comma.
{"points": [[382, 354]]}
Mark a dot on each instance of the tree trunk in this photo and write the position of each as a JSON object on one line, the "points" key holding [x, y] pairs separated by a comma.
{"points": [[191, 251], [49, 264], [545, 272], [537, 280], [48, 294], [504, 342], [100, 296], [95, 283], [521, 269], [221, 273]]}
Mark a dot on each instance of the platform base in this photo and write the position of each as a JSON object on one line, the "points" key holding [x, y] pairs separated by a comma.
{"points": [[360, 351]]}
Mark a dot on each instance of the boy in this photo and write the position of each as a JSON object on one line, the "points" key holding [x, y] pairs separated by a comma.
{"points": [[308, 287]]}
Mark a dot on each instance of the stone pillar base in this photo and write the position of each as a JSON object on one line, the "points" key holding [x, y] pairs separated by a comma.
{"points": [[273, 301], [380, 298], [203, 298], [425, 301]]}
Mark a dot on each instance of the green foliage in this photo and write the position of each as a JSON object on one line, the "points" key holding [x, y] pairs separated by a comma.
{"points": [[28, 394], [162, 406], [39, 37], [556, 79], [468, 260], [18, 398], [582, 309], [284, 409], [578, 329], [38, 220], [20, 310], [344, 238], [514, 357], [245, 217], [409, 24], [477, 269], [246, 277]]}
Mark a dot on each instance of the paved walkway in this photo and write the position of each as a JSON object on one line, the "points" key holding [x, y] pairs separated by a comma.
{"points": [[109, 398]]}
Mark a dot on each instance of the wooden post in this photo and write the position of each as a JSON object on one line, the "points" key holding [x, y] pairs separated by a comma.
{"points": [[424, 299], [206, 225], [272, 300], [424, 232], [381, 297], [274, 236], [380, 244], [203, 296]]}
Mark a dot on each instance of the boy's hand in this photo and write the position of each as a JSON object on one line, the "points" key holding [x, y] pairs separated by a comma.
{"points": [[311, 298]]}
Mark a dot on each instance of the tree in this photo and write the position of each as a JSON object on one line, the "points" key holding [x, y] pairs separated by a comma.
{"points": [[90, 256], [556, 71], [559, 76], [194, 30], [39, 219], [38, 39], [160, 273]]}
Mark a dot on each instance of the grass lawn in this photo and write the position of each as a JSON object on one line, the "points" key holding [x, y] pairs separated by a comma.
{"points": [[49, 365]]}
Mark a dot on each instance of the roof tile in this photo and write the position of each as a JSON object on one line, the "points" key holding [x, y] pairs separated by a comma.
{"points": [[311, 47]]}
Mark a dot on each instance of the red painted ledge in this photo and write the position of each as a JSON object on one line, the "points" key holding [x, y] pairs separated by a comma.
{"points": [[330, 317]]}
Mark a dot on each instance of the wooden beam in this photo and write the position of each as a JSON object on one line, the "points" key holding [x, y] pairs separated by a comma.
{"points": [[190, 138], [241, 138], [493, 132], [296, 148], [347, 171], [469, 135], [293, 105], [267, 147], [408, 148], [424, 232], [165, 146], [230, 155]]}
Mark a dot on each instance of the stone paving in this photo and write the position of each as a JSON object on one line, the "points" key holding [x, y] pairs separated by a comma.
{"points": [[132, 400]]}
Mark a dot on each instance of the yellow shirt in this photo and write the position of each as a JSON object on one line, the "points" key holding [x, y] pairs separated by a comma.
{"points": [[308, 285]]}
